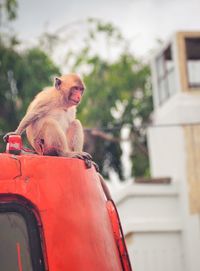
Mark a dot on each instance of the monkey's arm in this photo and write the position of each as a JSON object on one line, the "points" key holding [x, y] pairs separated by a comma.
{"points": [[29, 118]]}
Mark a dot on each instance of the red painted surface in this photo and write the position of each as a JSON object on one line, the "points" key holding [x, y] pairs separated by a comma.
{"points": [[77, 228], [118, 234], [19, 257]]}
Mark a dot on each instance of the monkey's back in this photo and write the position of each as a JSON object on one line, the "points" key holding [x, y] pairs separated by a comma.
{"points": [[48, 110]]}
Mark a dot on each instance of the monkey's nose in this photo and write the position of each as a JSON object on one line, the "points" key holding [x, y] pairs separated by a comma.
{"points": [[77, 96]]}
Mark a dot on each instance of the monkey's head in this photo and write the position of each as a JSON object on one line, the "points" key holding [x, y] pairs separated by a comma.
{"points": [[71, 88]]}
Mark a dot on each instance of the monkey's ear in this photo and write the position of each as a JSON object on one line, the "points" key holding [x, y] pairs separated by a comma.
{"points": [[57, 83]]}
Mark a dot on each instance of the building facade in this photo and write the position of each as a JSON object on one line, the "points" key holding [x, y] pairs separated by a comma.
{"points": [[162, 221]]}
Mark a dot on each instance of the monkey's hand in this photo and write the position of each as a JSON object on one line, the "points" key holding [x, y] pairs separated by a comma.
{"points": [[6, 136]]}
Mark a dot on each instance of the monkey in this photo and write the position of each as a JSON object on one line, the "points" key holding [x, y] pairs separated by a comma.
{"points": [[50, 121]]}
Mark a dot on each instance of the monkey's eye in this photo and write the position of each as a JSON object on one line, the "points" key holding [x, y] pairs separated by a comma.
{"points": [[76, 88]]}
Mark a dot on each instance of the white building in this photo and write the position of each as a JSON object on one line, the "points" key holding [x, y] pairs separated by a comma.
{"points": [[162, 221]]}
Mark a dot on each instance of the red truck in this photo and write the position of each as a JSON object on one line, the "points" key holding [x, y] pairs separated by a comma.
{"points": [[54, 215]]}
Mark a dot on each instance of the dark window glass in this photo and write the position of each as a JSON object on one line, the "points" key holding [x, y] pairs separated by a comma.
{"points": [[14, 243], [20, 242], [193, 61], [165, 75]]}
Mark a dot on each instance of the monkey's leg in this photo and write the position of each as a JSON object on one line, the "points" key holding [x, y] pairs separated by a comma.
{"points": [[75, 139], [52, 140], [75, 136]]}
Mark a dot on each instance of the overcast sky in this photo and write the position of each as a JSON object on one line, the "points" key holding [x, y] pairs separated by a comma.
{"points": [[142, 21]]}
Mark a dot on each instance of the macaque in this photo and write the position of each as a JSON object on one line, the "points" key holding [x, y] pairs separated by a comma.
{"points": [[50, 121]]}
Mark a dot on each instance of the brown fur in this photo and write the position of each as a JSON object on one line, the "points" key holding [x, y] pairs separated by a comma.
{"points": [[50, 121]]}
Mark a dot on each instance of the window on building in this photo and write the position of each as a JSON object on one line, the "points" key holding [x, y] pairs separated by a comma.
{"points": [[20, 246], [193, 61], [165, 75]]}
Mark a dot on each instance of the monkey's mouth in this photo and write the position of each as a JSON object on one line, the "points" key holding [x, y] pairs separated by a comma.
{"points": [[75, 101]]}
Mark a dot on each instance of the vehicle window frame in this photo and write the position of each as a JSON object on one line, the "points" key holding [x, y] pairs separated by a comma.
{"points": [[28, 212]]}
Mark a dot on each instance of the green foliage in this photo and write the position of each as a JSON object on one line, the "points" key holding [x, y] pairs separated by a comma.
{"points": [[22, 75], [6, 95], [118, 94], [108, 86], [37, 73], [8, 8], [8, 13], [118, 90], [11, 9]]}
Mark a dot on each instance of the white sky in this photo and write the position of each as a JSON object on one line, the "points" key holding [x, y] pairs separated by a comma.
{"points": [[142, 21]]}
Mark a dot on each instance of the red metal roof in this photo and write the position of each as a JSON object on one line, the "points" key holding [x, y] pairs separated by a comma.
{"points": [[72, 207]]}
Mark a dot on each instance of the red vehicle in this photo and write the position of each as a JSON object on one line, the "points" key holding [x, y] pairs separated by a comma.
{"points": [[54, 215]]}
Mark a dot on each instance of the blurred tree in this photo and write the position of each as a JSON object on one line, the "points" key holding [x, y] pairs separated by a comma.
{"points": [[118, 89], [8, 13], [22, 75], [8, 10], [118, 95]]}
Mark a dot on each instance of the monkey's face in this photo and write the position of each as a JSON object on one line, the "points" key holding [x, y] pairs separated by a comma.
{"points": [[75, 95], [71, 87]]}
